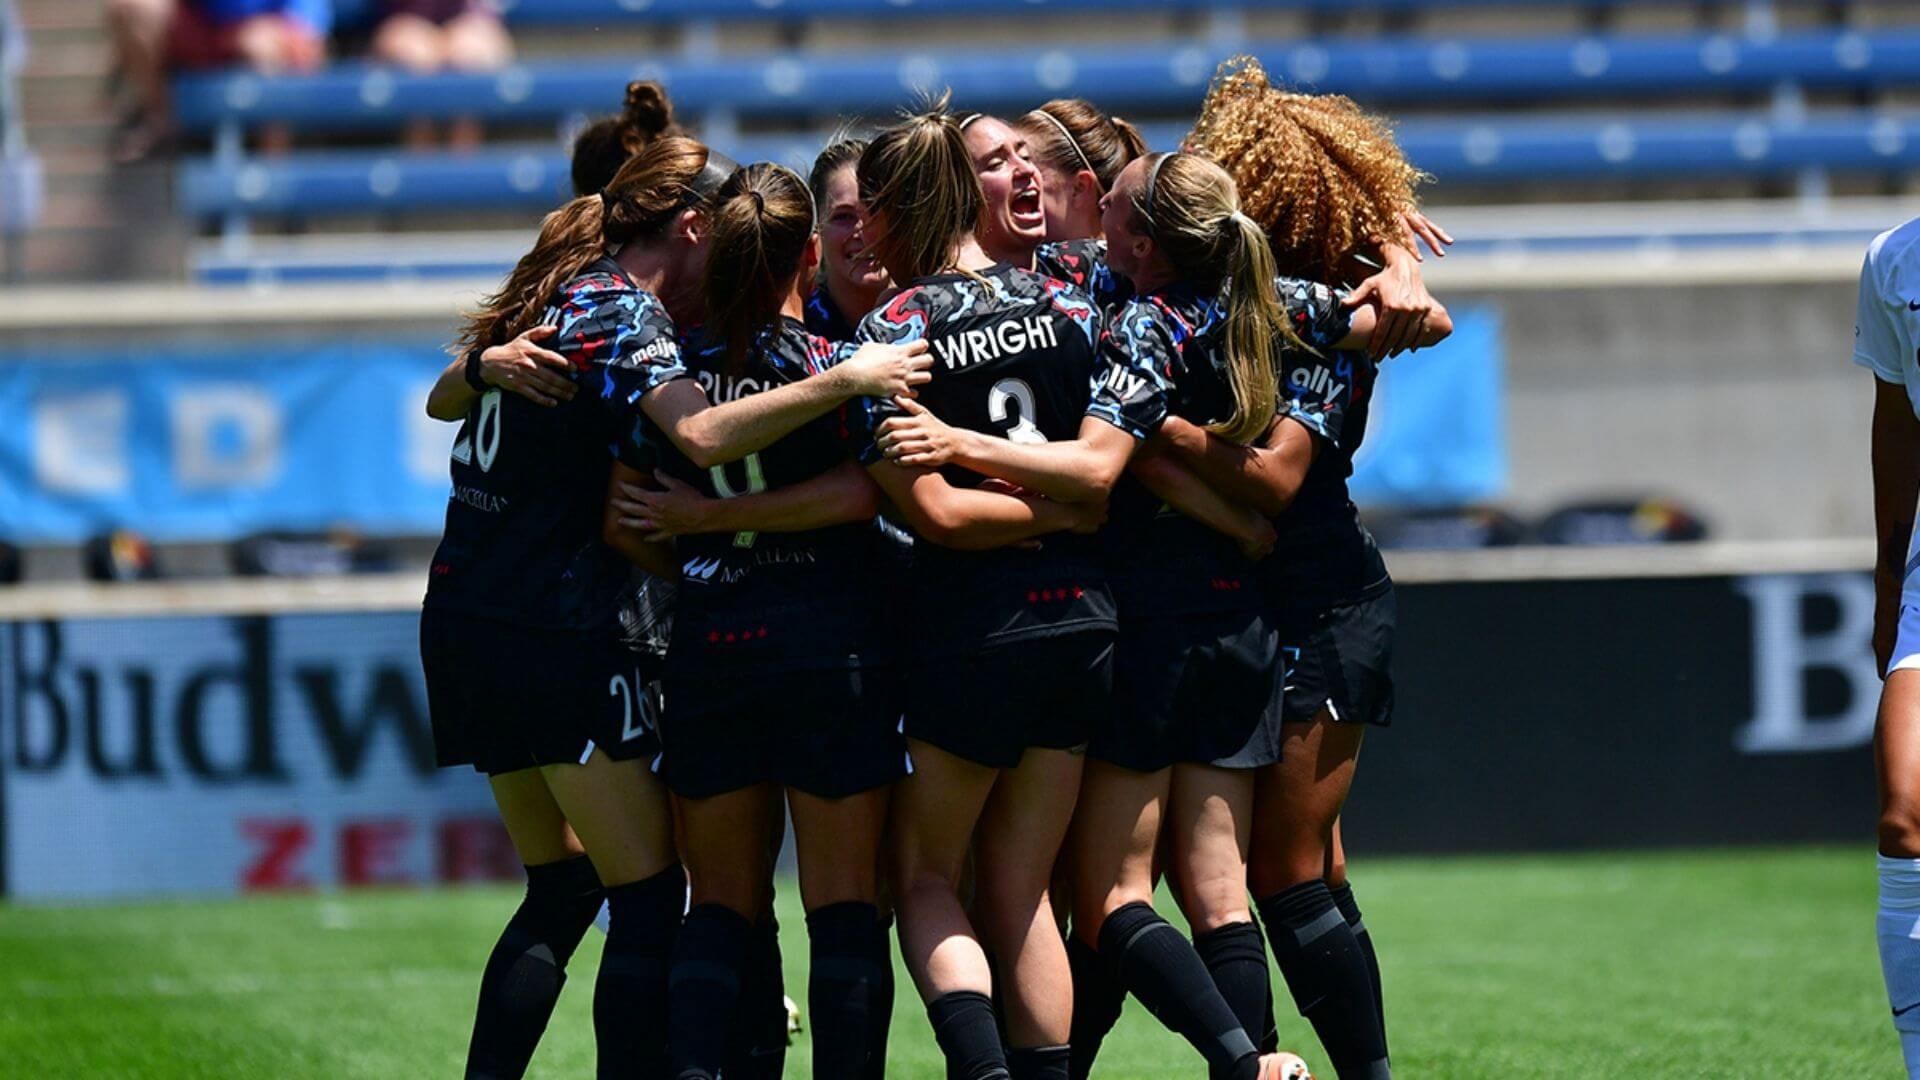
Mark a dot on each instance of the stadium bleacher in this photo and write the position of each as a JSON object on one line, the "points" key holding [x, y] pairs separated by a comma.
{"points": [[1164, 77], [1462, 150], [20, 175], [1750, 100]]}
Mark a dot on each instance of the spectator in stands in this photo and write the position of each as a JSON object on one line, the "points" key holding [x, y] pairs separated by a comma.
{"points": [[153, 38], [426, 37], [606, 144]]}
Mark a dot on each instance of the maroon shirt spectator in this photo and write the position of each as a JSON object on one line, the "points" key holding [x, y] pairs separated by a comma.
{"points": [[153, 38]]}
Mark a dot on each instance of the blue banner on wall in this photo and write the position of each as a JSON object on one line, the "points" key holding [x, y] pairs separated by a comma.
{"points": [[1437, 433], [206, 443], [212, 442]]}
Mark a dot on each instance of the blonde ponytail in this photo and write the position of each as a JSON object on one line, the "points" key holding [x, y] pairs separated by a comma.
{"points": [[1256, 326], [1191, 210]]}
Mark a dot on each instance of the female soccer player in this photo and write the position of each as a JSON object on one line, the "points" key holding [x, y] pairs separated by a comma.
{"points": [[1323, 180], [606, 144], [524, 675], [851, 279], [1887, 343], [1013, 640], [1079, 151], [1196, 684], [772, 677], [1013, 217]]}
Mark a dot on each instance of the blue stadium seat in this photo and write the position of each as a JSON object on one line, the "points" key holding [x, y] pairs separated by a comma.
{"points": [[360, 97], [569, 12], [1493, 149]]}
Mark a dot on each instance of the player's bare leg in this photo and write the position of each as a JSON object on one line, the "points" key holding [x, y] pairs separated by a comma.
{"points": [[1022, 828], [527, 968], [1896, 751], [725, 838], [930, 829], [1297, 804], [850, 979], [620, 813]]}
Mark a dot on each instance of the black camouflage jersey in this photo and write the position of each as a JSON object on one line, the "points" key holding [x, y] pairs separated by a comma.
{"points": [[1324, 557], [522, 541], [1084, 263], [1014, 356], [770, 601], [1164, 354], [825, 319]]}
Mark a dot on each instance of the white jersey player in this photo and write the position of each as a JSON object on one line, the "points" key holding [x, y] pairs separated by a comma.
{"points": [[1887, 341]]}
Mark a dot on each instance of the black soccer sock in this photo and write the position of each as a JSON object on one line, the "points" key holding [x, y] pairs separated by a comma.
{"points": [[1157, 963], [1327, 973], [1236, 957], [709, 968], [1097, 997], [882, 1008], [630, 998], [1039, 1063], [964, 1026], [849, 963], [1270, 1030], [1350, 911], [528, 967], [757, 1045]]}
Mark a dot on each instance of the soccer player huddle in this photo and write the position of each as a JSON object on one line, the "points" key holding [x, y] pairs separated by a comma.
{"points": [[986, 492]]}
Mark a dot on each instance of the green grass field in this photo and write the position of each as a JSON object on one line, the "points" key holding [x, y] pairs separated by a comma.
{"points": [[1740, 964]]}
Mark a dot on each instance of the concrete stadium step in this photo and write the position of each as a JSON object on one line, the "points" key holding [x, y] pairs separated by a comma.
{"points": [[77, 55], [52, 15]]}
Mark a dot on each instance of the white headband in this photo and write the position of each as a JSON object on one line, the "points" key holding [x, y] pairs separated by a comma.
{"points": [[1073, 142]]}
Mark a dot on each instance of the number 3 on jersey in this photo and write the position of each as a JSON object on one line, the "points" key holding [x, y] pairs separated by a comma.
{"points": [[1013, 399], [756, 483], [483, 445]]}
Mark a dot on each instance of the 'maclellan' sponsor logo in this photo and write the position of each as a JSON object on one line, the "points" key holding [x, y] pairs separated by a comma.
{"points": [[487, 502]]}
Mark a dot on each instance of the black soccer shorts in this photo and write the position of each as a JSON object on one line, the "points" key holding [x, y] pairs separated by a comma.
{"points": [[991, 706], [1341, 658], [504, 698], [1193, 689], [830, 732]]}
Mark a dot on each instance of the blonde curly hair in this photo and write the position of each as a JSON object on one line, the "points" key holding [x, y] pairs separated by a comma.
{"points": [[1321, 176]]}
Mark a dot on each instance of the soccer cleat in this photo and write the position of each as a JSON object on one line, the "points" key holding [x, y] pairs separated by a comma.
{"points": [[793, 1018], [1283, 1066]]}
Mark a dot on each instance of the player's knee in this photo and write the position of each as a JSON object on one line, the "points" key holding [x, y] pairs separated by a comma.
{"points": [[916, 886], [1210, 910], [1283, 866], [1092, 908], [1900, 828], [736, 888], [851, 881]]}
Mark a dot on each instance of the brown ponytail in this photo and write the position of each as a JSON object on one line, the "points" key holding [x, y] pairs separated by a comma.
{"points": [[761, 221], [919, 174], [639, 203], [1191, 210], [603, 146], [1070, 135], [647, 115]]}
